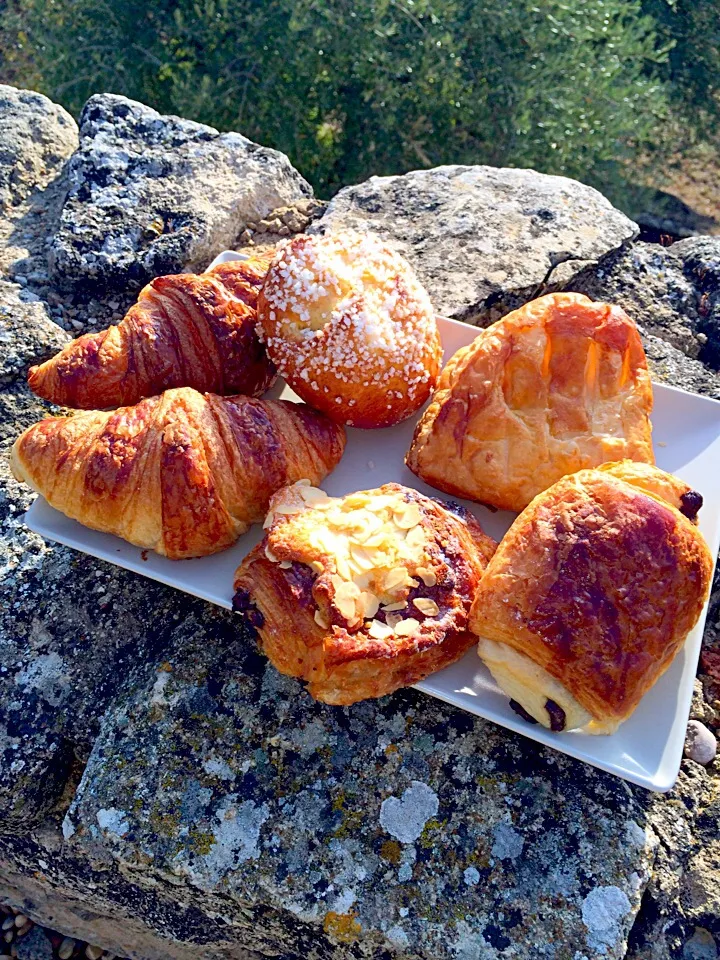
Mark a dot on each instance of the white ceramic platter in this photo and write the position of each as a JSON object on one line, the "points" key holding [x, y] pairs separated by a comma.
{"points": [[648, 747]]}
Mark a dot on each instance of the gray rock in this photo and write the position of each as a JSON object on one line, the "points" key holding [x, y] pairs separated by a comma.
{"points": [[700, 743], [34, 946], [670, 365], [700, 946], [483, 240], [36, 135], [27, 333], [671, 292], [151, 194]]}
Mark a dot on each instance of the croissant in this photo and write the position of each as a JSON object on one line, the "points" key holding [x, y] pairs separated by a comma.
{"points": [[184, 331], [181, 473], [362, 594], [560, 385], [591, 594]]}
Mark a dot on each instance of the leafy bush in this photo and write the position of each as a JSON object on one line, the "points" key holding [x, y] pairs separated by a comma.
{"points": [[351, 88]]}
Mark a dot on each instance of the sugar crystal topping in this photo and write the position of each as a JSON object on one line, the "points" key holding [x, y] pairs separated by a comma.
{"points": [[347, 305]]}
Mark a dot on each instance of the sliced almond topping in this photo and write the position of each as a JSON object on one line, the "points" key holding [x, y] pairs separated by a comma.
{"points": [[427, 576], [270, 555], [427, 606], [316, 566], [379, 630], [269, 520], [285, 564], [393, 619], [364, 558], [407, 627], [314, 496], [347, 608], [321, 621], [397, 577], [415, 538], [411, 582], [286, 508], [370, 604], [390, 607], [408, 516]]}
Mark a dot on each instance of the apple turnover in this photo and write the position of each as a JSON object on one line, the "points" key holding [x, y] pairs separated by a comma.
{"points": [[363, 594], [559, 385], [590, 596]]}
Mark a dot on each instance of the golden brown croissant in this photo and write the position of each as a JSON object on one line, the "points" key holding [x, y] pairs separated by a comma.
{"points": [[590, 595], [362, 594], [557, 386], [184, 331], [181, 473]]}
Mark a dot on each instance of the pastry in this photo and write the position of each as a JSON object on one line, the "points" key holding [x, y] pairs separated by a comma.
{"points": [[363, 594], [181, 473], [184, 331], [559, 385], [350, 328], [589, 597]]}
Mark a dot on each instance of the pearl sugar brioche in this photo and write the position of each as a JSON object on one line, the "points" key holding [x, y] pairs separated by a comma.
{"points": [[350, 328]]}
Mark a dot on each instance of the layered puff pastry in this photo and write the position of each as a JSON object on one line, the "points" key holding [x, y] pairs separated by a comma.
{"points": [[559, 385], [350, 328], [590, 595], [184, 474], [363, 594], [185, 330]]}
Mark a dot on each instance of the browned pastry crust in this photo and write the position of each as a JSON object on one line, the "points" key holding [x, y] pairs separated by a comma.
{"points": [[318, 588], [182, 473], [557, 386], [184, 331], [350, 328], [599, 583]]}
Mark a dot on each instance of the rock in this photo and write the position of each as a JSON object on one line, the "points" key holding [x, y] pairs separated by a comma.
{"points": [[700, 946], [700, 744], [483, 240], [671, 292], [34, 946], [27, 333], [663, 215], [37, 136], [669, 365], [151, 194]]}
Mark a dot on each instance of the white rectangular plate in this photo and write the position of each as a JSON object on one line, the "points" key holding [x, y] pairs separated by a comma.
{"points": [[648, 747]]}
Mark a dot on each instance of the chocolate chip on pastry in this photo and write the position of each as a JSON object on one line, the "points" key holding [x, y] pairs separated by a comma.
{"points": [[559, 385], [362, 594], [590, 595], [184, 474], [350, 328]]}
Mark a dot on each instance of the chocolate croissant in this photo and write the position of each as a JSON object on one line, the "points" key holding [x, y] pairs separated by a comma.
{"points": [[184, 331], [559, 385], [362, 594], [591, 594], [181, 473]]}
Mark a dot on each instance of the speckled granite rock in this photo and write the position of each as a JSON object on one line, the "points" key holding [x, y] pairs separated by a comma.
{"points": [[482, 239], [27, 334], [36, 135], [150, 195], [672, 292]]}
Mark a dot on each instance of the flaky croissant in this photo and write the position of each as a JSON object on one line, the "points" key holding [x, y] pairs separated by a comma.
{"points": [[183, 473], [184, 331]]}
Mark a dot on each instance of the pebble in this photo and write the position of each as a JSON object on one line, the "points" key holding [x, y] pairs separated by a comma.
{"points": [[701, 946], [700, 744], [66, 948], [8, 922], [92, 952], [21, 920], [77, 325], [8, 936]]}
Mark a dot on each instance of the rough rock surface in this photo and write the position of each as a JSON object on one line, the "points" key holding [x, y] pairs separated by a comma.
{"points": [[484, 240], [151, 194], [165, 794], [27, 333], [671, 292], [35, 136]]}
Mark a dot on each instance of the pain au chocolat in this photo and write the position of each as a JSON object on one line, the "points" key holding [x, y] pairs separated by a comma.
{"points": [[557, 386], [362, 594], [591, 594]]}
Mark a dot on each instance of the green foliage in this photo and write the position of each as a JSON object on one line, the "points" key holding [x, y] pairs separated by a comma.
{"points": [[351, 88]]}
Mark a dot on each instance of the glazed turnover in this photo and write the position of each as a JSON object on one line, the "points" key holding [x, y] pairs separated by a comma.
{"points": [[363, 594], [559, 385]]}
